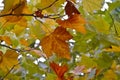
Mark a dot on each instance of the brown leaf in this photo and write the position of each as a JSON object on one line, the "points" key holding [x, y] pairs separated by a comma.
{"points": [[8, 60], [70, 9], [59, 70], [56, 43], [76, 22]]}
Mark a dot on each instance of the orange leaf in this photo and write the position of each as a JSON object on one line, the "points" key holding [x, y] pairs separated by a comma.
{"points": [[59, 70], [70, 9], [75, 22], [6, 39], [56, 43]]}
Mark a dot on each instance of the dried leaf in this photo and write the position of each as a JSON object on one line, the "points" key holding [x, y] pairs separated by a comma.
{"points": [[75, 22], [59, 70], [8, 60], [56, 43], [70, 9]]}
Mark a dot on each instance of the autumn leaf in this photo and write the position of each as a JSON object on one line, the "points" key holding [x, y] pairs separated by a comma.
{"points": [[56, 43], [8, 60], [76, 22], [110, 75], [59, 70], [91, 6], [100, 24], [6, 39], [113, 49], [70, 9], [45, 3], [17, 7], [49, 25]]}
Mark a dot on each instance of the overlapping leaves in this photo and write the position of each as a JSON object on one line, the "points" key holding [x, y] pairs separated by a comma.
{"points": [[8, 60]]}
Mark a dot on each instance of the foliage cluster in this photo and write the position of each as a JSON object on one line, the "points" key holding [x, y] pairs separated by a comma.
{"points": [[60, 40]]}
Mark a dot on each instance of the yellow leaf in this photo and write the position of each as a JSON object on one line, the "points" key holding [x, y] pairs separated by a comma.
{"points": [[110, 75], [100, 24], [76, 22], [92, 5], [56, 43], [6, 39], [49, 26], [9, 4], [113, 49], [54, 8], [87, 62], [8, 60], [17, 7]]}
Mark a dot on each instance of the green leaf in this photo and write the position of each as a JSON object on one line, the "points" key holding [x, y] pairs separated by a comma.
{"points": [[92, 5], [104, 60], [54, 8], [51, 76], [86, 42], [113, 5], [100, 24], [87, 62], [36, 31]]}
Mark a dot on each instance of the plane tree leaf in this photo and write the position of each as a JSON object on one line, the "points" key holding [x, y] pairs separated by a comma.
{"points": [[76, 22], [100, 24], [59, 70], [8, 60], [91, 6], [70, 9], [54, 8], [113, 49], [56, 43]]}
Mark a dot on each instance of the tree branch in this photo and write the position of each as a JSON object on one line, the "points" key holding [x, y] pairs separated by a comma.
{"points": [[19, 50], [17, 15]]}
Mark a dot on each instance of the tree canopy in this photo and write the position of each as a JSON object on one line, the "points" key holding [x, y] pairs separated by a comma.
{"points": [[60, 40]]}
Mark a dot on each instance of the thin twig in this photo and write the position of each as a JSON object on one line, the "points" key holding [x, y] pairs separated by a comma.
{"points": [[50, 5], [16, 15], [19, 50], [9, 71]]}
